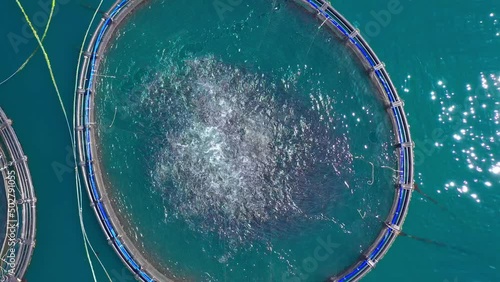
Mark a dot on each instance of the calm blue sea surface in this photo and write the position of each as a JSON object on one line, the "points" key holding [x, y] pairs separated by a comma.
{"points": [[441, 55]]}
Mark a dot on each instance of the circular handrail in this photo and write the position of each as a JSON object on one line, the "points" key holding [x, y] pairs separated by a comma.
{"points": [[90, 168]]}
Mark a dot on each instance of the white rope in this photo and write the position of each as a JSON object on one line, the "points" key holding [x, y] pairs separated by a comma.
{"points": [[86, 242]]}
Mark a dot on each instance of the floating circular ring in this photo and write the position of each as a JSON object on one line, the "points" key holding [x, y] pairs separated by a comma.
{"points": [[341, 28], [17, 249]]}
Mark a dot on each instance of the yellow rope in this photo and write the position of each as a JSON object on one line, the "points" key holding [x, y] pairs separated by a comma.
{"points": [[52, 8], [77, 179], [46, 56]]}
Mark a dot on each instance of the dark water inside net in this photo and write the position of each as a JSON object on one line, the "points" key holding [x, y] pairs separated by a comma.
{"points": [[248, 147]]}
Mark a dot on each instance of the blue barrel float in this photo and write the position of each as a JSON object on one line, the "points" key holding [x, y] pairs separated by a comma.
{"points": [[345, 31]]}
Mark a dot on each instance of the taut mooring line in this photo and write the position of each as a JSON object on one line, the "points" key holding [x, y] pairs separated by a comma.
{"points": [[49, 66], [425, 195], [86, 241], [89, 7], [54, 82], [419, 191], [436, 243], [52, 8], [314, 37], [443, 207]]}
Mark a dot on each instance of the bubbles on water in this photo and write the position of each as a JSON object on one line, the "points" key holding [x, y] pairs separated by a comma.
{"points": [[240, 153]]}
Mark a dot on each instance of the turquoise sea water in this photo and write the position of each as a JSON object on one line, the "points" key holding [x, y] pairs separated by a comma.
{"points": [[443, 57], [234, 152]]}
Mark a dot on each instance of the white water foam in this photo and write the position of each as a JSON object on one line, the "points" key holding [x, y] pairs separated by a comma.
{"points": [[239, 154]]}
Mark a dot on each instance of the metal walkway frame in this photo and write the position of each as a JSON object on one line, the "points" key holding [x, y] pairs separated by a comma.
{"points": [[87, 148], [404, 145], [17, 249], [90, 166]]}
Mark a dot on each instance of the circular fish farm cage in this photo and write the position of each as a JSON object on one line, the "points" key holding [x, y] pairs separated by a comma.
{"points": [[91, 167], [20, 205]]}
